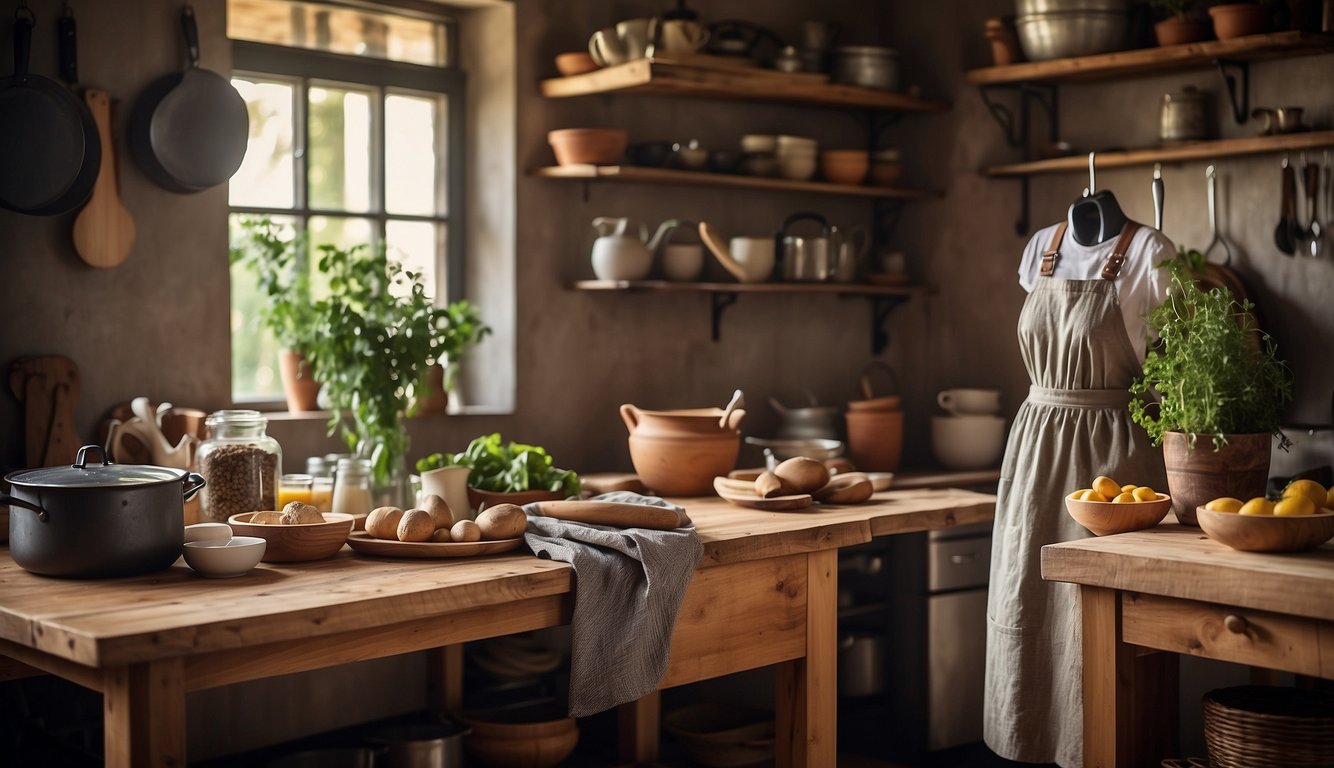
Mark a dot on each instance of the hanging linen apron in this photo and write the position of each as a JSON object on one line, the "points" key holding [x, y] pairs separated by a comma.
{"points": [[1073, 426]]}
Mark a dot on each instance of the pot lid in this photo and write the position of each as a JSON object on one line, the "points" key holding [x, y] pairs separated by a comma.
{"points": [[83, 474]]}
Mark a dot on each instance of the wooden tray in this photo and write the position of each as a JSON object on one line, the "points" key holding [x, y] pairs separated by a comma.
{"points": [[366, 544]]}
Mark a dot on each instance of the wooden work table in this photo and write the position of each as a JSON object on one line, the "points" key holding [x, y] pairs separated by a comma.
{"points": [[766, 593], [1173, 589]]}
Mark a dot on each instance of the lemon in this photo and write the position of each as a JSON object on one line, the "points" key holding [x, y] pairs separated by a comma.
{"points": [[1329, 498], [1128, 488], [1224, 504], [1106, 486], [1076, 495], [1307, 488], [1257, 506], [1123, 498], [1091, 495], [1145, 493], [1294, 506]]}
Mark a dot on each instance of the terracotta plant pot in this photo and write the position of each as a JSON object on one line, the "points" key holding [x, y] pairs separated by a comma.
{"points": [[588, 146], [1176, 31], [299, 386], [678, 453], [875, 439], [1240, 469], [1238, 20], [432, 397]]}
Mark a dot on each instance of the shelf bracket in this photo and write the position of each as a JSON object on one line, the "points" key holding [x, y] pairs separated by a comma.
{"points": [[1021, 223], [885, 219], [1019, 131], [718, 302], [1239, 70], [881, 307]]}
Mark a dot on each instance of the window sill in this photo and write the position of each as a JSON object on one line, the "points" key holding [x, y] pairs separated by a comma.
{"points": [[323, 416]]}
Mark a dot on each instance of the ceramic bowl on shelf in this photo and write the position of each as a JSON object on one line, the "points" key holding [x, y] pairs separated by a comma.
{"points": [[588, 146], [886, 173], [967, 442], [224, 558], [844, 166], [297, 543], [1103, 518], [1266, 533], [575, 63]]}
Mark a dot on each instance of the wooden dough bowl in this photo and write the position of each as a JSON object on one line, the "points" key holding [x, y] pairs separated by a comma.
{"points": [[296, 543], [1104, 518], [1266, 533]]}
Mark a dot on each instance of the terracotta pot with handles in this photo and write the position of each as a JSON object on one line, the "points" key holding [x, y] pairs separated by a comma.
{"points": [[678, 453]]}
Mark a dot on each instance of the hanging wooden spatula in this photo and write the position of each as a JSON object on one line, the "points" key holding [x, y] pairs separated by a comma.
{"points": [[104, 230]]}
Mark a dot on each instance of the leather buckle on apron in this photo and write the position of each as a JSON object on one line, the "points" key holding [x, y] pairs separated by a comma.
{"points": [[1049, 263]]}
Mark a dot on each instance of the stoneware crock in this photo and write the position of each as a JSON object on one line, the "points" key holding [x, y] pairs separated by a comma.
{"points": [[678, 453]]}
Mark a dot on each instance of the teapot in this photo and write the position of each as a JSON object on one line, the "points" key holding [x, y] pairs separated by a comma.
{"points": [[628, 40], [620, 253], [807, 258]]}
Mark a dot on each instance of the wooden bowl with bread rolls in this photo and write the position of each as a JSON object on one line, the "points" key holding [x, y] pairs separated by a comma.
{"points": [[294, 535]]}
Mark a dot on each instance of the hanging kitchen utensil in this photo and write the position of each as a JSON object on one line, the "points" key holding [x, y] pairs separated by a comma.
{"points": [[1211, 174], [104, 230], [1158, 200], [1287, 214], [188, 130], [738, 401], [47, 137], [1311, 184]]}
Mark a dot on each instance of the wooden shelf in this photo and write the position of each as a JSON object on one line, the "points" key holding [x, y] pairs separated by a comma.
{"points": [[638, 175], [1202, 150], [644, 76], [1152, 61]]}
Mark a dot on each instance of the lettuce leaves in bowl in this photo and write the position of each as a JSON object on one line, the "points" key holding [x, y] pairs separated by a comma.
{"points": [[506, 467]]}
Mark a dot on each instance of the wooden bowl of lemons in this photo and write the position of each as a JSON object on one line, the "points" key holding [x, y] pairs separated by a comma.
{"points": [[1129, 508], [1298, 520]]}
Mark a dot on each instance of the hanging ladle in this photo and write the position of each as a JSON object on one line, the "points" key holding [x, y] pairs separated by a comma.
{"points": [[1287, 221], [1211, 173]]}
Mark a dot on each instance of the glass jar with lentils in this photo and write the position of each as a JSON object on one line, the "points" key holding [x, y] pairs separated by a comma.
{"points": [[240, 463]]}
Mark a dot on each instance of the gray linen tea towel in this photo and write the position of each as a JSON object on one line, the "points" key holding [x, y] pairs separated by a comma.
{"points": [[628, 586]]}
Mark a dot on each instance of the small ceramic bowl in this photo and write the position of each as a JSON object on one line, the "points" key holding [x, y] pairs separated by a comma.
{"points": [[759, 142], [224, 559], [595, 146], [297, 543], [1266, 533], [1103, 518], [575, 63], [208, 532], [844, 166]]}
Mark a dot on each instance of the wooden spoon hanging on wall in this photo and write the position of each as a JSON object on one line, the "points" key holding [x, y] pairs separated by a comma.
{"points": [[104, 230]]}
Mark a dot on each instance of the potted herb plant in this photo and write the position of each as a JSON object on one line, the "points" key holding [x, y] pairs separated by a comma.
{"points": [[1209, 378], [443, 385], [1177, 25], [269, 251], [1239, 19]]}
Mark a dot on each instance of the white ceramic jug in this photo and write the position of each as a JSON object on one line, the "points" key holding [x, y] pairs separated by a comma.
{"points": [[624, 253]]}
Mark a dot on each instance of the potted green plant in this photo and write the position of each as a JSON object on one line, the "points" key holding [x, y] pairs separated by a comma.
{"points": [[1239, 19], [1208, 377], [1177, 25], [377, 333], [443, 385], [269, 251]]}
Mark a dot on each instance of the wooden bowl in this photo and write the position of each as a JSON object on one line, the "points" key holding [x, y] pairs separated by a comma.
{"points": [[845, 166], [1266, 533], [296, 543], [528, 737], [477, 497], [1103, 518], [588, 146], [576, 63]]}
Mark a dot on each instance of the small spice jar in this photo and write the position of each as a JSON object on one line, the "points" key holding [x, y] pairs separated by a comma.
{"points": [[295, 488], [240, 464], [352, 487]]}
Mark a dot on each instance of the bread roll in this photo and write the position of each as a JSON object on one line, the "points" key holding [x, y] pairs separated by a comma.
{"points": [[465, 530], [269, 517], [301, 513], [442, 535], [503, 521], [416, 525], [382, 523]]}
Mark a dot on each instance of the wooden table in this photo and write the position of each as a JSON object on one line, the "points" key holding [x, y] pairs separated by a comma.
{"points": [[765, 593], [1173, 589]]}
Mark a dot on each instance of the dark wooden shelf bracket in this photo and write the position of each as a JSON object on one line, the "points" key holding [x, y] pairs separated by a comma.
{"points": [[881, 307], [1019, 131], [1232, 71], [718, 302]]}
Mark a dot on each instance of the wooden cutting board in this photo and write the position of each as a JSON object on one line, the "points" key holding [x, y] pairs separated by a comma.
{"points": [[48, 387], [614, 513]]}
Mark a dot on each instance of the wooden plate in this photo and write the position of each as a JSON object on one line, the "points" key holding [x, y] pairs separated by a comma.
{"points": [[742, 494], [366, 544]]}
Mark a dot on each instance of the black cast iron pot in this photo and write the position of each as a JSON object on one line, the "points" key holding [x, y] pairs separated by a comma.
{"points": [[102, 520]]}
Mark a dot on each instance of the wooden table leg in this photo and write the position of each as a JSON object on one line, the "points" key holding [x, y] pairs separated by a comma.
{"points": [[143, 710], [1108, 681], [639, 725], [807, 689], [444, 680]]}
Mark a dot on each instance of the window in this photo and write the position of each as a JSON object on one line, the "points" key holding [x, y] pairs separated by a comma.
{"points": [[356, 133]]}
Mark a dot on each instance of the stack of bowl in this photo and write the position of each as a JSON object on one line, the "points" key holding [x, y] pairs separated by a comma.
{"points": [[886, 167], [875, 433], [971, 435], [796, 157], [759, 154]]}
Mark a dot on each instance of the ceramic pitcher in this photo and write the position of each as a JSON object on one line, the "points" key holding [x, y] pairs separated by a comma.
{"points": [[678, 453]]}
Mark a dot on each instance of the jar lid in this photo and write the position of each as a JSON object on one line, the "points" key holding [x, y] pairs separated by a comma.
{"points": [[235, 416], [104, 475]]}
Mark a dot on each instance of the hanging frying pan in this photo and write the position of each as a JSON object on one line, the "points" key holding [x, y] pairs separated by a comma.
{"points": [[188, 130], [47, 138]]}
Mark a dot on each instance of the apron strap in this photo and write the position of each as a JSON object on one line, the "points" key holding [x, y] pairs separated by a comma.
{"points": [[1053, 252], [1111, 268]]}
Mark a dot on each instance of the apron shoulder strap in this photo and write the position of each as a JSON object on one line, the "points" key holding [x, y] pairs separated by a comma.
{"points": [[1053, 252], [1111, 269]]}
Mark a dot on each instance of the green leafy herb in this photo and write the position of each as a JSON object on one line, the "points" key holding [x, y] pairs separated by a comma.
{"points": [[269, 251], [506, 467], [1212, 372]]}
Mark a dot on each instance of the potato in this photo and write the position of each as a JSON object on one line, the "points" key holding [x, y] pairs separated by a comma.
{"points": [[803, 475], [416, 525], [465, 530], [439, 510], [267, 518], [382, 523], [301, 513], [503, 521]]}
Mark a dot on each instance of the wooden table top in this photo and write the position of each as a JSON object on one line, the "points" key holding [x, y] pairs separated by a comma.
{"points": [[177, 613], [1180, 561]]}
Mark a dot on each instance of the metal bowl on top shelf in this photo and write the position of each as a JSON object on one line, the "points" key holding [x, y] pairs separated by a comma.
{"points": [[1057, 29]]}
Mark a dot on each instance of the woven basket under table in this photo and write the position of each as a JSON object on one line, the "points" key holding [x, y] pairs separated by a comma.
{"points": [[1255, 726]]}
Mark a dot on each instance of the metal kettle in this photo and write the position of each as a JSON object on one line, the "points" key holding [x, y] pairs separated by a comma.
{"points": [[806, 258]]}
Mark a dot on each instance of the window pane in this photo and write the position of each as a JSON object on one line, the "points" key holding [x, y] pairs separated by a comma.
{"points": [[339, 30], [339, 172], [410, 126], [414, 245], [254, 350], [266, 178]]}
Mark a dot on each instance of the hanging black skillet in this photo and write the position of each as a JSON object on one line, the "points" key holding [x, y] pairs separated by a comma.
{"points": [[47, 138], [188, 130]]}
